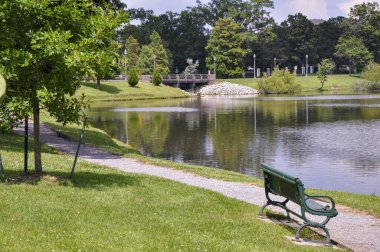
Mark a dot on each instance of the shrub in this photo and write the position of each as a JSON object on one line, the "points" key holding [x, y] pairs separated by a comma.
{"points": [[156, 78], [281, 82], [372, 72], [133, 78]]}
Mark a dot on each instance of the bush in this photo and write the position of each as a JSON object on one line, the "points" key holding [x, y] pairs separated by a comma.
{"points": [[366, 86], [372, 72], [281, 82], [133, 78], [156, 78]]}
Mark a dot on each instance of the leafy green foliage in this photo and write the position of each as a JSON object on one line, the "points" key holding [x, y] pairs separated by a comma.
{"points": [[324, 67], [146, 60], [372, 72], [297, 33], [161, 57], [156, 78], [133, 78], [353, 49], [226, 45], [133, 49], [364, 22], [280, 82], [45, 57]]}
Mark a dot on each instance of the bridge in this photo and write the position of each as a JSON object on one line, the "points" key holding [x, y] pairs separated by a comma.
{"points": [[184, 81]]}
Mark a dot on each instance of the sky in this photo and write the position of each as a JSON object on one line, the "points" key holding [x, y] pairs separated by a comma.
{"points": [[313, 9]]}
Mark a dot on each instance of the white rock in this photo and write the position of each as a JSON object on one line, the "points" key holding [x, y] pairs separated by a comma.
{"points": [[227, 88]]}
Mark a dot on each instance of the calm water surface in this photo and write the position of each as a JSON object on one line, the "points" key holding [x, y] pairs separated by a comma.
{"points": [[330, 142]]}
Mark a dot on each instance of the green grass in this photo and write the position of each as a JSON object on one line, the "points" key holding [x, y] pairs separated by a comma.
{"points": [[366, 203], [121, 91], [99, 138], [102, 209], [310, 83]]}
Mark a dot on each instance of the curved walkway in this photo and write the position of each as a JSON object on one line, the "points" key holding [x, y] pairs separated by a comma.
{"points": [[350, 228]]}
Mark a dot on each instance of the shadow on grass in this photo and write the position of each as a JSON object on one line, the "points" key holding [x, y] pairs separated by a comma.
{"points": [[15, 143], [104, 87], [82, 180], [291, 226]]}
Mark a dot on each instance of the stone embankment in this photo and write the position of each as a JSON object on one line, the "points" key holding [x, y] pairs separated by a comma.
{"points": [[227, 88]]}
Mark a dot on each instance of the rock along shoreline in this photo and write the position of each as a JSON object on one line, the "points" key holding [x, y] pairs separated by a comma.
{"points": [[227, 88]]}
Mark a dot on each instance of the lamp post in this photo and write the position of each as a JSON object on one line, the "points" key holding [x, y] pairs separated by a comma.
{"points": [[275, 59], [154, 62], [307, 57], [125, 64], [215, 67], [254, 66]]}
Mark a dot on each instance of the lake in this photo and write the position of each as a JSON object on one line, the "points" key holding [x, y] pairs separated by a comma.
{"points": [[328, 141]]}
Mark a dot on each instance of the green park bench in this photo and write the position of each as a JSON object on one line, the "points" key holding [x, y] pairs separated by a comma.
{"points": [[292, 189]]}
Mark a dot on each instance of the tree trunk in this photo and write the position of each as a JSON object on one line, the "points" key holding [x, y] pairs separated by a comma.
{"points": [[36, 123], [97, 82], [350, 66]]}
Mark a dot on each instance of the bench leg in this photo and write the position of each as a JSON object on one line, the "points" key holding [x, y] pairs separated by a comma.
{"points": [[328, 240], [262, 209]]}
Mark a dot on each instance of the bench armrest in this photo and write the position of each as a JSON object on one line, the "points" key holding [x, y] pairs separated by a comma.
{"points": [[319, 197]]}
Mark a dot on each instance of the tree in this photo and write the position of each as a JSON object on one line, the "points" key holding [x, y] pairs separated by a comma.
{"points": [[104, 46], [44, 54], [160, 54], [327, 36], [132, 47], [133, 78], [364, 22], [225, 44], [352, 49], [297, 33], [324, 67], [146, 60], [253, 15], [156, 78]]}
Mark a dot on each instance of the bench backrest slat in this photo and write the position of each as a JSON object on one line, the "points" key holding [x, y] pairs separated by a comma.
{"points": [[279, 183]]}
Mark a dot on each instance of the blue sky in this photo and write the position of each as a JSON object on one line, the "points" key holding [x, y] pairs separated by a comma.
{"points": [[323, 9]]}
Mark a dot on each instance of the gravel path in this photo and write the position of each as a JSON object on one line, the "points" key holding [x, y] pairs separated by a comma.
{"points": [[360, 232]]}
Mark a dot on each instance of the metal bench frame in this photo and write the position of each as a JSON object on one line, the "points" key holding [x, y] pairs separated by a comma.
{"points": [[281, 184]]}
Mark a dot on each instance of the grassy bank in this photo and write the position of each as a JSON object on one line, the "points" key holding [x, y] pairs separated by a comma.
{"points": [[102, 209], [121, 91], [310, 83], [96, 137]]}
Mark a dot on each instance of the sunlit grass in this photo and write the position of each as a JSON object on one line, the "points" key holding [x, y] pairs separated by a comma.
{"points": [[121, 91], [310, 83], [102, 209]]}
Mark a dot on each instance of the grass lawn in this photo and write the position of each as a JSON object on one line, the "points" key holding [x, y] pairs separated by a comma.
{"points": [[97, 137], [310, 83], [121, 91], [102, 209]]}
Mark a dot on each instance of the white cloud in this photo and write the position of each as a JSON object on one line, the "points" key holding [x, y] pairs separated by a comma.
{"points": [[346, 5], [310, 8]]}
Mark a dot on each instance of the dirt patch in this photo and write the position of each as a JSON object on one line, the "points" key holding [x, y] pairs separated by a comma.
{"points": [[33, 179]]}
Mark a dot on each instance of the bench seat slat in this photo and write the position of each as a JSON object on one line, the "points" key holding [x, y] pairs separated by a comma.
{"points": [[315, 205]]}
